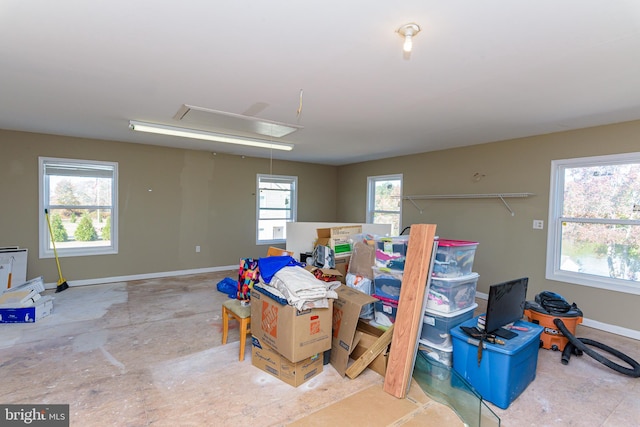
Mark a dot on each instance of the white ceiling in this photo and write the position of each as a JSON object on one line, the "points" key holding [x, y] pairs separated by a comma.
{"points": [[480, 71]]}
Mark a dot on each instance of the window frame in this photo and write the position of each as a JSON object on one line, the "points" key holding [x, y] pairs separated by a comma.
{"points": [[44, 236], [371, 197], [555, 221], [293, 180]]}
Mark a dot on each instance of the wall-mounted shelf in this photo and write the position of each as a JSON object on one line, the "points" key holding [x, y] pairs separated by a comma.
{"points": [[501, 196]]}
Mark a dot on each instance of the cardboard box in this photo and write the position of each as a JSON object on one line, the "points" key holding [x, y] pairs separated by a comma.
{"points": [[326, 273], [366, 336], [42, 307], [342, 265], [272, 362], [275, 251], [346, 313], [294, 334], [13, 267], [337, 238]]}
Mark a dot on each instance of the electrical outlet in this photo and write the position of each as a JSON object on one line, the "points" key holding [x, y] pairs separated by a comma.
{"points": [[538, 224], [197, 248]]}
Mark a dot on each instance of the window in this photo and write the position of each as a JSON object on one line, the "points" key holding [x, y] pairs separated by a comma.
{"points": [[384, 201], [594, 222], [80, 197], [276, 205]]}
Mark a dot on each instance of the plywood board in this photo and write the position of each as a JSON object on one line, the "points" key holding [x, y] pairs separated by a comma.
{"points": [[373, 407], [410, 309]]}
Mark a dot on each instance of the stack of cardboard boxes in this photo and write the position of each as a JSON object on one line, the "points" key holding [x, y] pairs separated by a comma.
{"points": [[287, 343], [291, 344]]}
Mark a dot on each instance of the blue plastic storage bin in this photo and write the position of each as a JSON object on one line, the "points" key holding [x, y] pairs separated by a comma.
{"points": [[506, 370]]}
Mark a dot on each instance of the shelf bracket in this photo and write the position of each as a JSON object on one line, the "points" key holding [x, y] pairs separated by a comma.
{"points": [[507, 205], [416, 206]]}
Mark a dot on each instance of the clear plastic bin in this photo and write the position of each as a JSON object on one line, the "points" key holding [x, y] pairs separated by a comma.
{"points": [[447, 295], [454, 258], [441, 353], [391, 251], [385, 311], [436, 325], [387, 282]]}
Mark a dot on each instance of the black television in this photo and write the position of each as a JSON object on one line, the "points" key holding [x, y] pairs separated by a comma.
{"points": [[505, 305]]}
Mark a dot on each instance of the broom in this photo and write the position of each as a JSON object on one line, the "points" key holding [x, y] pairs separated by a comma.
{"points": [[62, 283]]}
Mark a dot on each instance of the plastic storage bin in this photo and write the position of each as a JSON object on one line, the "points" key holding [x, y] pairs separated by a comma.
{"points": [[387, 282], [454, 258], [436, 326], [443, 353], [391, 251], [385, 311], [440, 358], [447, 295], [504, 370]]}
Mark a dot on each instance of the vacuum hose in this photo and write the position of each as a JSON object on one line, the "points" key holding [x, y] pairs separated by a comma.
{"points": [[579, 345]]}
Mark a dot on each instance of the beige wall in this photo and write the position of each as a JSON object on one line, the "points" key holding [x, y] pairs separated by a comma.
{"points": [[508, 245], [196, 199], [206, 200]]}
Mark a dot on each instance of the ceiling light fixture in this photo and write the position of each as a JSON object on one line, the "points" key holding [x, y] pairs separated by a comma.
{"points": [[408, 31], [207, 136]]}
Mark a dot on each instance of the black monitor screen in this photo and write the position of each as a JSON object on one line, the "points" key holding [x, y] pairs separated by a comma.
{"points": [[506, 303]]}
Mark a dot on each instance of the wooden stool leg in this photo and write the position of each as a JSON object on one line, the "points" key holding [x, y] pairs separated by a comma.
{"points": [[243, 337], [225, 324]]}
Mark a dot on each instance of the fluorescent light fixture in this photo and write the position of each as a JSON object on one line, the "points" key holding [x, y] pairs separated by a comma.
{"points": [[207, 136]]}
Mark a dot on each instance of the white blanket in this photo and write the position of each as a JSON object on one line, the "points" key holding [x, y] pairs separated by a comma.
{"points": [[301, 288]]}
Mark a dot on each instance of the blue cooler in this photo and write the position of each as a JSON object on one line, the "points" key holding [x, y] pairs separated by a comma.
{"points": [[505, 370]]}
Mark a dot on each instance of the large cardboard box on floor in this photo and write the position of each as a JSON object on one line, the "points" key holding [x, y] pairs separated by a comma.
{"points": [[294, 334], [346, 314], [272, 362]]}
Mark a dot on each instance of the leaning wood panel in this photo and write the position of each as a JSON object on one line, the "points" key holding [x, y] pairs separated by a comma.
{"points": [[409, 316], [363, 361]]}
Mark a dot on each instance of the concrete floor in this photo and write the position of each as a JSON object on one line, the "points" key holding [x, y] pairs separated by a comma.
{"points": [[148, 353]]}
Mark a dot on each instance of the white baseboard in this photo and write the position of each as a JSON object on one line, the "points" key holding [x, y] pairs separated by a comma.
{"points": [[589, 323], [618, 330], [157, 275]]}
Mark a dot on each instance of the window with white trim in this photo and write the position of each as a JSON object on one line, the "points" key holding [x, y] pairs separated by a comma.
{"points": [[384, 201], [594, 222], [276, 204], [78, 207]]}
